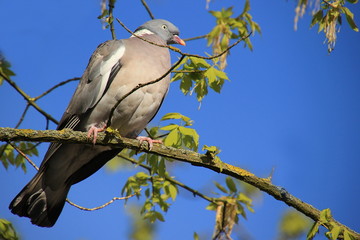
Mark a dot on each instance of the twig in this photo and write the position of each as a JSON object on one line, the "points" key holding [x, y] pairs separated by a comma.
{"points": [[104, 205], [24, 155], [23, 115], [147, 9], [28, 98], [111, 18], [195, 38], [180, 184], [56, 86], [330, 4]]}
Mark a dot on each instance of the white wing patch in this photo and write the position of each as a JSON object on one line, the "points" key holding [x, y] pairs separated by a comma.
{"points": [[105, 69]]}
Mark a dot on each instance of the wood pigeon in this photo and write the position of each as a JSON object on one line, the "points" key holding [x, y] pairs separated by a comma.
{"points": [[114, 69]]}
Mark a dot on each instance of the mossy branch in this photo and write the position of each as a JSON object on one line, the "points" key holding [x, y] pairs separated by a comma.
{"points": [[194, 158]]}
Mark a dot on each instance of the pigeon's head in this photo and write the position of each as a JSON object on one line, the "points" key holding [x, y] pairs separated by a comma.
{"points": [[164, 29]]}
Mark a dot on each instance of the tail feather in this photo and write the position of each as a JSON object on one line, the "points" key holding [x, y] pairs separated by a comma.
{"points": [[43, 198], [39, 203]]}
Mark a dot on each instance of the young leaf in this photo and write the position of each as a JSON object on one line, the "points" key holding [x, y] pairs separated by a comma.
{"points": [[231, 184], [173, 191], [220, 187], [335, 231], [325, 215], [159, 216], [313, 231], [350, 18], [317, 17], [169, 127], [173, 139], [196, 236]]}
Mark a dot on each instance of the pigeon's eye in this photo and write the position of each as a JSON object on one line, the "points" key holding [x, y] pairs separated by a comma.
{"points": [[164, 26]]}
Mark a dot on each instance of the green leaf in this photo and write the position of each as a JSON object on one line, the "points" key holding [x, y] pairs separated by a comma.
{"points": [[220, 187], [348, 235], [231, 184], [246, 7], [173, 139], [7, 231], [185, 85], [350, 18], [173, 191], [190, 132], [169, 127], [162, 168], [196, 236], [199, 62], [316, 18], [175, 116], [352, 1], [201, 90], [159, 216], [325, 215], [142, 175], [5, 69], [244, 199], [216, 14], [293, 225], [212, 149], [313, 231], [212, 206], [335, 231]]}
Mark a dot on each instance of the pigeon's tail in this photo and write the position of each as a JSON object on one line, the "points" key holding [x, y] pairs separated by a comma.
{"points": [[39, 202]]}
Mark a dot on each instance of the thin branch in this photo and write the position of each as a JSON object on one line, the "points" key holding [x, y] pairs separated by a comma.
{"points": [[24, 155], [195, 38], [111, 17], [147, 9], [56, 86], [189, 71], [105, 204], [194, 158], [23, 115], [328, 3], [180, 184], [28, 98]]}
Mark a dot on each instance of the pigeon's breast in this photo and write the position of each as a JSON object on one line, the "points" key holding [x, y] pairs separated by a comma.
{"points": [[141, 63]]}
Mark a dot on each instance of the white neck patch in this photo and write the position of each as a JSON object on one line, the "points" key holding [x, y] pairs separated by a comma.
{"points": [[142, 32]]}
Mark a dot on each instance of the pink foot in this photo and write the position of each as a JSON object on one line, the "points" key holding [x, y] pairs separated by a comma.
{"points": [[149, 140], [93, 131]]}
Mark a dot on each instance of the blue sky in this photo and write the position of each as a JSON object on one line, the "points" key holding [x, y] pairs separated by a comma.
{"points": [[289, 106]]}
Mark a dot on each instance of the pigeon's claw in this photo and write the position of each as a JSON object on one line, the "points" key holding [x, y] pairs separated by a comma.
{"points": [[93, 132], [149, 140]]}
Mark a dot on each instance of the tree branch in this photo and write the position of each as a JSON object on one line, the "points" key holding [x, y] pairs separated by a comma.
{"points": [[194, 158], [147, 9], [30, 100], [180, 184], [56, 86], [111, 18]]}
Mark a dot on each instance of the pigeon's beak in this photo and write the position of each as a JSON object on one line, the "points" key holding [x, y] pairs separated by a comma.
{"points": [[178, 40]]}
